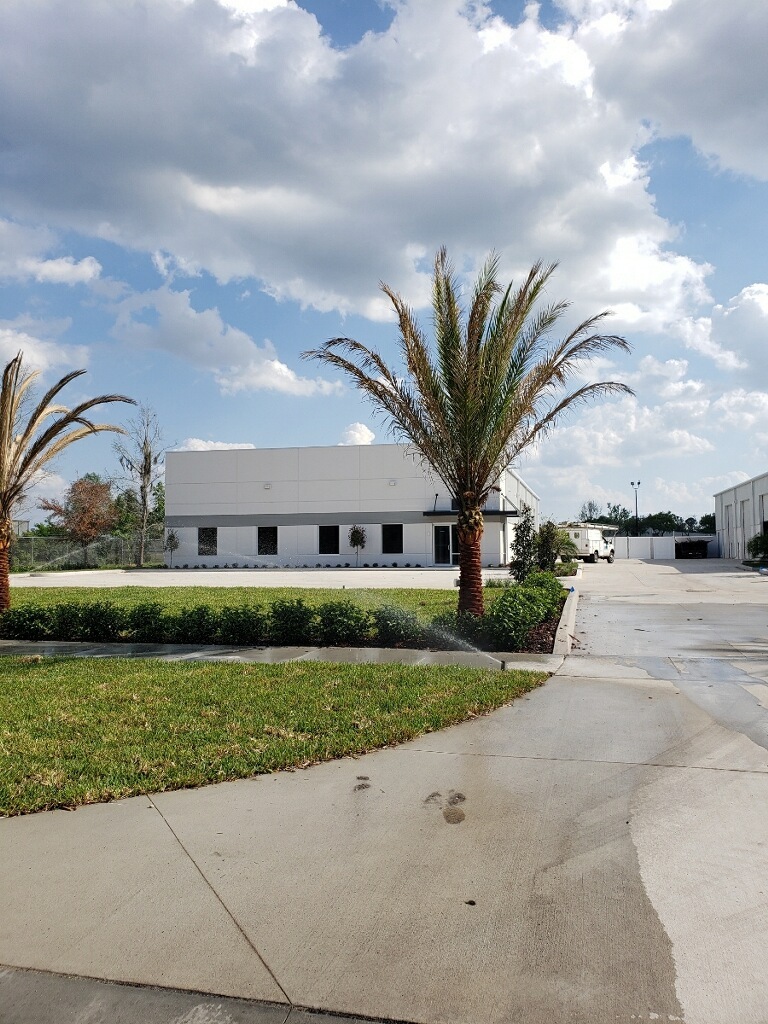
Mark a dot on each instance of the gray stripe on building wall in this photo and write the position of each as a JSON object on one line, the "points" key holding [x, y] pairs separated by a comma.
{"points": [[310, 519]]}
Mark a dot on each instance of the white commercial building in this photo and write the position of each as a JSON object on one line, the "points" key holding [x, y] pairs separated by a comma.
{"points": [[295, 507], [741, 512]]}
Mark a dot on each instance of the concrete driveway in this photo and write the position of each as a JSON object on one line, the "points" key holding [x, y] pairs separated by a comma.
{"points": [[596, 852], [376, 579]]}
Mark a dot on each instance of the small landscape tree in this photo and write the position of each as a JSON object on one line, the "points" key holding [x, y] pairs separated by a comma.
{"points": [[86, 513], [357, 539], [171, 543], [523, 546]]}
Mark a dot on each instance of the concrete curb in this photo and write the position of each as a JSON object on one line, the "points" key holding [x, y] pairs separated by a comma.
{"points": [[564, 634], [506, 661]]}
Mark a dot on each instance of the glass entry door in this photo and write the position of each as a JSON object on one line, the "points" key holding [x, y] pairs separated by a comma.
{"points": [[446, 545]]}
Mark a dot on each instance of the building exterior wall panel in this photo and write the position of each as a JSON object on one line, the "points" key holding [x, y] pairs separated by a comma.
{"points": [[307, 488]]}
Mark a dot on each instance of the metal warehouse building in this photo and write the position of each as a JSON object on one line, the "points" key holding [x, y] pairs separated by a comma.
{"points": [[295, 506]]}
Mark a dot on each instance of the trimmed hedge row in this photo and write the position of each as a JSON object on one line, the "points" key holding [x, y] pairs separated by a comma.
{"points": [[291, 623]]}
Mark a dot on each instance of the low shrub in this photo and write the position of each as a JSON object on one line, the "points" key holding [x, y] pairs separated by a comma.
{"points": [[25, 623], [758, 546], [196, 625], [146, 623], [342, 624], [65, 622], [397, 627], [567, 569], [291, 623], [458, 629], [101, 622], [522, 607], [246, 625]]}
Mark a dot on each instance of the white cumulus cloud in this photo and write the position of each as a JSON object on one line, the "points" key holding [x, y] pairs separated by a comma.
{"points": [[166, 319], [197, 444], [357, 433]]}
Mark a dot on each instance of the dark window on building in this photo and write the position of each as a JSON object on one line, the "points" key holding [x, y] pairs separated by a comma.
{"points": [[207, 540], [328, 540], [267, 540], [392, 539]]}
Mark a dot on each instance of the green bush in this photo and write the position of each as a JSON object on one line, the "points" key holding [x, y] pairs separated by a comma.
{"points": [[291, 623], [758, 546], [520, 608], [65, 622], [25, 623], [101, 622], [459, 629], [397, 627], [549, 587], [197, 625], [244, 625], [567, 569], [342, 624], [146, 623]]}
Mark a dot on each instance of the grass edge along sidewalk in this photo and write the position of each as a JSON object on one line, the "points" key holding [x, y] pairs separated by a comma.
{"points": [[77, 731]]}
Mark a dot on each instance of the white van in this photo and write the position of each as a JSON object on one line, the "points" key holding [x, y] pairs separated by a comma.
{"points": [[592, 540]]}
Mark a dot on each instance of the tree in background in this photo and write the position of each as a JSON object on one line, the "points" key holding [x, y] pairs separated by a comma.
{"points": [[707, 523], [141, 456], [660, 523], [28, 444], [357, 539], [493, 383], [619, 516], [523, 560], [590, 512], [552, 543], [86, 513]]}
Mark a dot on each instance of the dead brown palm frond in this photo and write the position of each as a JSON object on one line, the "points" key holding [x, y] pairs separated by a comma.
{"points": [[490, 386]]}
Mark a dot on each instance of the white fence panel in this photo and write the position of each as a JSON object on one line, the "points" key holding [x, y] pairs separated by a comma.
{"points": [[648, 548]]}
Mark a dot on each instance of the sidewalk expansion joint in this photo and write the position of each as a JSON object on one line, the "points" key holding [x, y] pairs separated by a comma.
{"points": [[223, 905], [593, 760]]}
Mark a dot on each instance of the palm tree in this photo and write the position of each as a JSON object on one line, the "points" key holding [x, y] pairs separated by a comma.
{"points": [[28, 444], [494, 384]]}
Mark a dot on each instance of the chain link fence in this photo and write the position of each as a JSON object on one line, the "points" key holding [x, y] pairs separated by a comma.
{"points": [[38, 553]]}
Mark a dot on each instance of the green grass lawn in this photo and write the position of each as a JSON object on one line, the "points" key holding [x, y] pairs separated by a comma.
{"points": [[424, 603], [76, 731]]}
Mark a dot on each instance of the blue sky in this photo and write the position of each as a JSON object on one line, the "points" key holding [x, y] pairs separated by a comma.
{"points": [[193, 192]]}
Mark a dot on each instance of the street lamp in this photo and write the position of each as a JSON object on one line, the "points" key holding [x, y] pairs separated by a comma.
{"points": [[637, 520]]}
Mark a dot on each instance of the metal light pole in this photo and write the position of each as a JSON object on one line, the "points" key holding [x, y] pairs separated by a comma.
{"points": [[637, 519]]}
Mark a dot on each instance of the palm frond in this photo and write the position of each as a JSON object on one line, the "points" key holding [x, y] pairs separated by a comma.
{"points": [[493, 382], [26, 447]]}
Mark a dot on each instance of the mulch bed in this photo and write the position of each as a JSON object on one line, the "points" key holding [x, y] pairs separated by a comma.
{"points": [[541, 639]]}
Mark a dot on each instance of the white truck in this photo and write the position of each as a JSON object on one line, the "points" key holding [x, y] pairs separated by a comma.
{"points": [[593, 540]]}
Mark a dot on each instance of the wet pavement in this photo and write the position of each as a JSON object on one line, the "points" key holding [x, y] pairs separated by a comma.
{"points": [[594, 852]]}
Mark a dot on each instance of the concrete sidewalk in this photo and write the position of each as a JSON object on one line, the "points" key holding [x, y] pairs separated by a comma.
{"points": [[595, 852]]}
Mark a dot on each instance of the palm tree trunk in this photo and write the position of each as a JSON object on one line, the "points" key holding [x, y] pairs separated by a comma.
{"points": [[6, 530], [470, 530]]}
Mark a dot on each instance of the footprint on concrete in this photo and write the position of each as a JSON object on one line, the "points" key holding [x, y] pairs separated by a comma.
{"points": [[449, 805], [362, 783]]}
